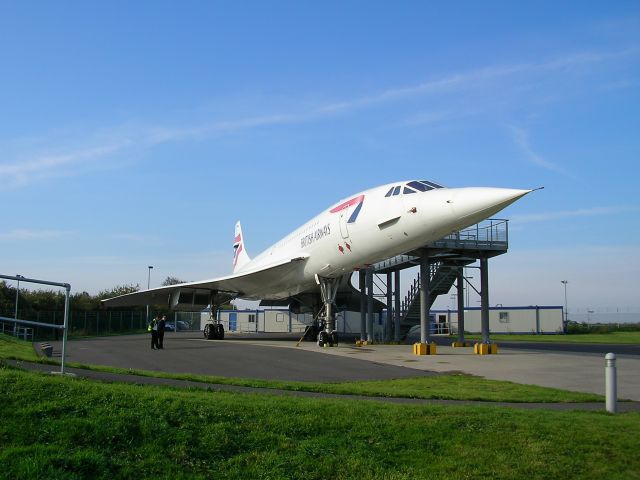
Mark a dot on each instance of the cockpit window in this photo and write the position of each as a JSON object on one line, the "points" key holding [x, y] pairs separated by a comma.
{"points": [[431, 184], [421, 187], [414, 186]]}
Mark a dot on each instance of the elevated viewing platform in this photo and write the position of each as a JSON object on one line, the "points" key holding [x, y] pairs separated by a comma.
{"points": [[487, 239], [445, 258]]}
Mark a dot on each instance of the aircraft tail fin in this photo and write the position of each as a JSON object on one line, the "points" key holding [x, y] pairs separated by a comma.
{"points": [[240, 256]]}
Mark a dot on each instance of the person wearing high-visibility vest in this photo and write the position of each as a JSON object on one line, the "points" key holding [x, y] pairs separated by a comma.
{"points": [[153, 328], [162, 321]]}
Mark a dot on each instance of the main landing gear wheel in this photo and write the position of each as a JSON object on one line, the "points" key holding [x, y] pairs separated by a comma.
{"points": [[214, 331], [208, 331], [219, 332]]}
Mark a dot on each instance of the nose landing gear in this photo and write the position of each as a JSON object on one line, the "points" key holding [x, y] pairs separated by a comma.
{"points": [[328, 336]]}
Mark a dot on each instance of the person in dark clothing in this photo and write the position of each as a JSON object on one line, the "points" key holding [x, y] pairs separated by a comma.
{"points": [[153, 328], [161, 324]]}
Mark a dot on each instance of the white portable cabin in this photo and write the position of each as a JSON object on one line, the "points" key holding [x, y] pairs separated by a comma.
{"points": [[283, 321], [533, 319]]}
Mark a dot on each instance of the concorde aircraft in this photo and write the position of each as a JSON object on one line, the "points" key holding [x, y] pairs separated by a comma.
{"points": [[310, 269]]}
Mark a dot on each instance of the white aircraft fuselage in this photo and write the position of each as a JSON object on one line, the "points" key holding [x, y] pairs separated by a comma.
{"points": [[371, 226], [360, 230]]}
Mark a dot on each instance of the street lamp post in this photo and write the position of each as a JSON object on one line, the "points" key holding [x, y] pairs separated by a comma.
{"points": [[148, 285], [566, 312]]}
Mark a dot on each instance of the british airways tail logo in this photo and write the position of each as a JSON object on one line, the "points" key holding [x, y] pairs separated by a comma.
{"points": [[237, 248], [359, 200]]}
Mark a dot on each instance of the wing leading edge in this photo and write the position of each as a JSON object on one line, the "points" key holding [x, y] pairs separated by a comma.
{"points": [[254, 284]]}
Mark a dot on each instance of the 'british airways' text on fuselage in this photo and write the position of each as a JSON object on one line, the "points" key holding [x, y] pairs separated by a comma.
{"points": [[316, 235]]}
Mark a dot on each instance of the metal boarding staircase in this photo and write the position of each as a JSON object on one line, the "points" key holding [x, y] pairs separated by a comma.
{"points": [[486, 239], [442, 276]]}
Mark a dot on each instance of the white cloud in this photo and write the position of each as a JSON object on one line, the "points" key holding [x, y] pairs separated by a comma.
{"points": [[107, 143], [521, 139], [51, 165], [583, 212], [26, 234]]}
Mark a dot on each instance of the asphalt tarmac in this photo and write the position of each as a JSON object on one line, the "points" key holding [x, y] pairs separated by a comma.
{"points": [[277, 357], [189, 352]]}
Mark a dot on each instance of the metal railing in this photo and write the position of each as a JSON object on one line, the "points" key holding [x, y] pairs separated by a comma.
{"points": [[492, 233], [63, 327]]}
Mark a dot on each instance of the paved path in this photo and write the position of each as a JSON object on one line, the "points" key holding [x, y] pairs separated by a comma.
{"points": [[140, 380]]}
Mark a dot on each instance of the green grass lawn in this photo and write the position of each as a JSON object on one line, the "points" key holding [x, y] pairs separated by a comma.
{"points": [[52, 427], [14, 348], [446, 387], [613, 337]]}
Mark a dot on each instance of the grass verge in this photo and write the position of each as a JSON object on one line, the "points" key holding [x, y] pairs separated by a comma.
{"points": [[16, 349], [443, 387], [73, 428]]}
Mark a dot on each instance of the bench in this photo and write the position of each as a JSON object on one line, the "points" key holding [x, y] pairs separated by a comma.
{"points": [[47, 349]]}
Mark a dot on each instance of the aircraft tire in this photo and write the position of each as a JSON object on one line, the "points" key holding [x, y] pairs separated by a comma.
{"points": [[322, 338], [209, 332], [334, 339], [219, 330]]}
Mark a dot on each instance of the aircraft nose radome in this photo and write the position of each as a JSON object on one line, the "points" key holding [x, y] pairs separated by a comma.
{"points": [[481, 203]]}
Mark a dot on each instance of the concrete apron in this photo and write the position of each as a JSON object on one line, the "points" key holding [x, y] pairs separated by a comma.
{"points": [[580, 372]]}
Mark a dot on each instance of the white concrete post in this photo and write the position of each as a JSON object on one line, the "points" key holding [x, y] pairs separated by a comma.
{"points": [[611, 382]]}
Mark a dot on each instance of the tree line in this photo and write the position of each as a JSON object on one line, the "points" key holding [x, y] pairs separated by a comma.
{"points": [[53, 300]]}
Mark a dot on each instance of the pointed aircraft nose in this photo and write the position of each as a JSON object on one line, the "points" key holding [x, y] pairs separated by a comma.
{"points": [[475, 204]]}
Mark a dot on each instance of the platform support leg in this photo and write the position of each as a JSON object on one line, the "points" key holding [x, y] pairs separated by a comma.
{"points": [[460, 342], [396, 310], [424, 347], [424, 300], [484, 299], [485, 347], [369, 305], [362, 274], [389, 321]]}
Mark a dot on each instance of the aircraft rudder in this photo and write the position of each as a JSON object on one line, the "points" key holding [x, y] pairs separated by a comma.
{"points": [[240, 256]]}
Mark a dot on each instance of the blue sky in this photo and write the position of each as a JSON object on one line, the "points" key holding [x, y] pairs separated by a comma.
{"points": [[137, 133]]}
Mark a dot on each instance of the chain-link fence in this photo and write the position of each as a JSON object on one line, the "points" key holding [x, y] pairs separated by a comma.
{"points": [[81, 324], [96, 323]]}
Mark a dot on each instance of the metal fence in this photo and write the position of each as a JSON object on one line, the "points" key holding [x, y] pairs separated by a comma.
{"points": [[93, 323], [26, 325], [80, 323]]}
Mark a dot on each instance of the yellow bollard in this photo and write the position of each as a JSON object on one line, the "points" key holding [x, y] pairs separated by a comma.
{"points": [[485, 348], [424, 348]]}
